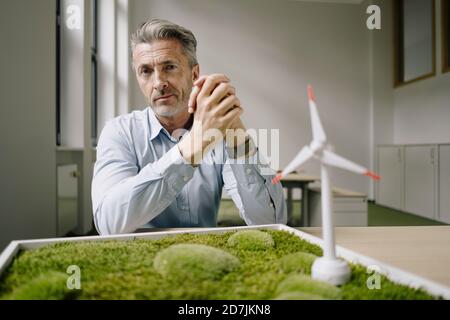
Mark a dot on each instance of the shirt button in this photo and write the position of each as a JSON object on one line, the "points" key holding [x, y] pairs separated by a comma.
{"points": [[185, 179], [248, 171], [271, 205]]}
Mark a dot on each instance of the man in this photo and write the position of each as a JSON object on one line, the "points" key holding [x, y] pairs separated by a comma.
{"points": [[166, 166]]}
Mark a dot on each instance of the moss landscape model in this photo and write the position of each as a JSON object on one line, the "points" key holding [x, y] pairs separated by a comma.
{"points": [[247, 264]]}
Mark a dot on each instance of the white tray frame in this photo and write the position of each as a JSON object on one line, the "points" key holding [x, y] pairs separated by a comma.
{"points": [[394, 274]]}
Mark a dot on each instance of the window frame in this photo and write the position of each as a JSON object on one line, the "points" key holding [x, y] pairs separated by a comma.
{"points": [[94, 72], [398, 61], [58, 73], [445, 34]]}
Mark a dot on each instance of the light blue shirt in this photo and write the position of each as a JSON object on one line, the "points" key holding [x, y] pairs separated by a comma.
{"points": [[140, 178]]}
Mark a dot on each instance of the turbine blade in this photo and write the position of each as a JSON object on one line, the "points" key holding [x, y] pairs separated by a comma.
{"points": [[332, 159], [317, 128], [304, 155]]}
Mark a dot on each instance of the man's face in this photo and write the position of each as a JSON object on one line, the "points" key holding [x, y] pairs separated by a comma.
{"points": [[164, 76]]}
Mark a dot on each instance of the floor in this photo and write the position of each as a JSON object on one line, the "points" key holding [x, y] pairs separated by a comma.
{"points": [[377, 216]]}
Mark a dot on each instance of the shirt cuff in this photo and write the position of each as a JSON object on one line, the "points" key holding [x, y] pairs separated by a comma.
{"points": [[245, 150]]}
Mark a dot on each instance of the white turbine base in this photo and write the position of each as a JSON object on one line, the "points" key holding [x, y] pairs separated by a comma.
{"points": [[334, 271]]}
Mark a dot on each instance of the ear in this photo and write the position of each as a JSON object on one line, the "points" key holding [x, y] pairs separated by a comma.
{"points": [[195, 72]]}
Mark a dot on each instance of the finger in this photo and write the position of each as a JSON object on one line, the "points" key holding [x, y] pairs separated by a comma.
{"points": [[194, 93], [199, 82], [193, 99], [202, 79], [227, 105], [223, 90], [232, 115], [211, 83], [192, 105], [237, 103]]}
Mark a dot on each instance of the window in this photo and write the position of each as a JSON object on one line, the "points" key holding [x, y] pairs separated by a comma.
{"points": [[445, 35], [414, 40], [94, 72], [58, 72]]}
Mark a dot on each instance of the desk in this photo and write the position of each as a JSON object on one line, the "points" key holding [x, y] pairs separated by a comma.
{"points": [[295, 180], [424, 251]]}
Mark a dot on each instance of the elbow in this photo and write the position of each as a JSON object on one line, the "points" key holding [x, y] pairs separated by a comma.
{"points": [[101, 224], [108, 223]]}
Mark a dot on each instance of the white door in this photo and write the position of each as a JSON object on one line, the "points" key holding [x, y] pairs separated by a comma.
{"points": [[420, 180], [444, 183], [390, 168]]}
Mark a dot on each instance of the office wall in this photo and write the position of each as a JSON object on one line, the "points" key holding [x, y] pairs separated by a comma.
{"points": [[422, 109], [27, 120], [415, 113], [271, 50], [381, 98]]}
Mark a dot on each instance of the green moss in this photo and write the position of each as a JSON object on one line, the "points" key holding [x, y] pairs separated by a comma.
{"points": [[49, 286], [124, 270], [251, 240], [296, 295], [303, 283], [297, 262], [194, 262]]}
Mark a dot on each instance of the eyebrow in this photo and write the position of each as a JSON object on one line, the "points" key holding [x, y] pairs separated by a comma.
{"points": [[165, 62]]}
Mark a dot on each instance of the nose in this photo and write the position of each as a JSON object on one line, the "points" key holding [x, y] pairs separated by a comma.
{"points": [[160, 81]]}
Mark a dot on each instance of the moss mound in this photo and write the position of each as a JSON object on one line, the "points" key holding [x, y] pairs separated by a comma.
{"points": [[194, 262], [251, 240], [49, 286], [297, 262], [304, 284], [296, 295], [112, 270]]}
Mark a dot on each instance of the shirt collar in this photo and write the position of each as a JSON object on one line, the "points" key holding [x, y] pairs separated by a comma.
{"points": [[156, 127]]}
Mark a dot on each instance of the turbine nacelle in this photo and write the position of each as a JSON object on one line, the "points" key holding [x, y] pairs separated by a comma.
{"points": [[317, 147]]}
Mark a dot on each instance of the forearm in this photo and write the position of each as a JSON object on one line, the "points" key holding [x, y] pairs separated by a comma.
{"points": [[136, 200], [259, 201]]}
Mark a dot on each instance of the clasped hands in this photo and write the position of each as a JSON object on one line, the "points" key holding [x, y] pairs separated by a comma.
{"points": [[217, 112]]}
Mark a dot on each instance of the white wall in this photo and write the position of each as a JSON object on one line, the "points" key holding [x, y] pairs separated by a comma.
{"points": [[27, 120], [422, 109], [271, 50], [415, 113], [381, 98]]}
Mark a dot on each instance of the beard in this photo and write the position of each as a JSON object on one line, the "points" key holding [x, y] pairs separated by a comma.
{"points": [[168, 109]]}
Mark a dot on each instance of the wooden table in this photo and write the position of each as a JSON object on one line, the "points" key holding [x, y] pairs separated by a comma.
{"points": [[424, 251], [295, 180]]}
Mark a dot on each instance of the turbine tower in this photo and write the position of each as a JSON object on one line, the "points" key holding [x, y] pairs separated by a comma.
{"points": [[327, 268]]}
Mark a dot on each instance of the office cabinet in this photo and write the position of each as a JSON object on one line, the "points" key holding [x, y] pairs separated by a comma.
{"points": [[420, 180], [444, 183], [350, 208], [390, 168]]}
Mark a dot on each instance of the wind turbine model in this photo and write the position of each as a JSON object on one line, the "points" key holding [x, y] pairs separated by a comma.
{"points": [[327, 268]]}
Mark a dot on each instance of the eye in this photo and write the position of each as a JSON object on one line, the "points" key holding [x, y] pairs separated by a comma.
{"points": [[171, 67], [145, 71]]}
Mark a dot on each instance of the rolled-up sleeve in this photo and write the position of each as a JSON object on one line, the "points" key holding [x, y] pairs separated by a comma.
{"points": [[124, 197], [249, 183]]}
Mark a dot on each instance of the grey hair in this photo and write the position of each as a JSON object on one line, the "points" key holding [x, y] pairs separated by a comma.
{"points": [[158, 29]]}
